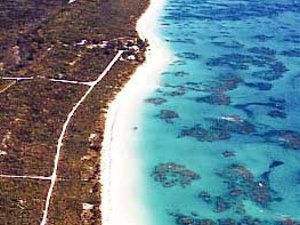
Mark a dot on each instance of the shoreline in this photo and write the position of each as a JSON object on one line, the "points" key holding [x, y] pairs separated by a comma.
{"points": [[73, 43], [119, 164]]}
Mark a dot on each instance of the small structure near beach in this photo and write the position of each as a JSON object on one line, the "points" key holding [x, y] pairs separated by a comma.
{"points": [[95, 141]]}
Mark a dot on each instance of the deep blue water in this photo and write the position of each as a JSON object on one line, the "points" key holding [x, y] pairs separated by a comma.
{"points": [[220, 138]]}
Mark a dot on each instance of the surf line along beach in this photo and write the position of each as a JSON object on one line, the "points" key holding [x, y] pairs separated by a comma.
{"points": [[121, 192]]}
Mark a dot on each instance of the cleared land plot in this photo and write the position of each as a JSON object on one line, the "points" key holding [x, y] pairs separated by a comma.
{"points": [[32, 114], [22, 201]]}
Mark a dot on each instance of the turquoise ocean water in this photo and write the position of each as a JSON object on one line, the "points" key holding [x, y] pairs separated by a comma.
{"points": [[220, 139]]}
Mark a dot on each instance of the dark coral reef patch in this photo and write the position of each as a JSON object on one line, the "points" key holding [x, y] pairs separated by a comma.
{"points": [[168, 115], [287, 138], [204, 135], [241, 185], [215, 99], [156, 101], [219, 129], [172, 174], [182, 219]]}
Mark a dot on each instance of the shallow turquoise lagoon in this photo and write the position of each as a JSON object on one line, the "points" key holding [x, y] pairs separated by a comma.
{"points": [[220, 138]]}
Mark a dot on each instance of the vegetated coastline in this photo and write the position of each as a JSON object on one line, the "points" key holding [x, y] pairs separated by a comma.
{"points": [[122, 194]]}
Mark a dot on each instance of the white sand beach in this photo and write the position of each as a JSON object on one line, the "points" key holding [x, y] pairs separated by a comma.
{"points": [[121, 192]]}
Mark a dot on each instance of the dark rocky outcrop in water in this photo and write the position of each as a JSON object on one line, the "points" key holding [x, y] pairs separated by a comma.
{"points": [[262, 86], [228, 153], [241, 185], [215, 99], [168, 115], [277, 114], [286, 138], [262, 37], [188, 55], [204, 135], [232, 124], [219, 129], [183, 219], [291, 53], [275, 163], [156, 101], [172, 174]]}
